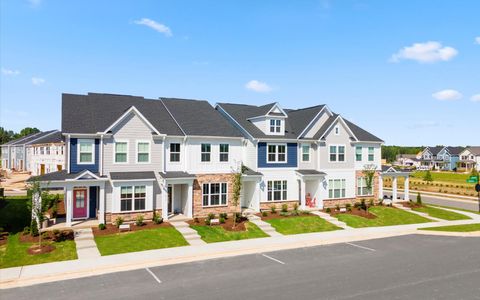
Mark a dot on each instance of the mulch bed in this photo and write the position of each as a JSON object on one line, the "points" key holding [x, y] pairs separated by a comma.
{"points": [[355, 211], [278, 215], [3, 238], [228, 225], [47, 236], [412, 205], [40, 250], [112, 229]]}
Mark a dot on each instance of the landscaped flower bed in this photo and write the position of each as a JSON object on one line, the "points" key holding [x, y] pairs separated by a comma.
{"points": [[113, 229]]}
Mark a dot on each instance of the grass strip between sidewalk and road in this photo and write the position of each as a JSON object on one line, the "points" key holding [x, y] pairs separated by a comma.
{"points": [[386, 216], [141, 240], [455, 228], [455, 208], [14, 253], [214, 234], [301, 224], [441, 213]]}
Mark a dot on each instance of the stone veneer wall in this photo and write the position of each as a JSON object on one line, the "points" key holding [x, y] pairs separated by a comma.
{"points": [[131, 216], [199, 211], [278, 204]]}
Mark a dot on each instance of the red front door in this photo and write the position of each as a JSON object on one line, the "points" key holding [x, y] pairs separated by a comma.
{"points": [[79, 203]]}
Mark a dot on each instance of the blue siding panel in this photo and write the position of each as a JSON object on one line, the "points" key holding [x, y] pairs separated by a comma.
{"points": [[74, 166], [291, 157], [93, 202]]}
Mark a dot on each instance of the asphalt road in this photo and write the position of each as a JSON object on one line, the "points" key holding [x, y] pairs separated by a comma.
{"points": [[463, 204], [406, 267]]}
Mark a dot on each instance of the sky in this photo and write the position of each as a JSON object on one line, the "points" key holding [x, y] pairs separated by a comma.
{"points": [[407, 71]]}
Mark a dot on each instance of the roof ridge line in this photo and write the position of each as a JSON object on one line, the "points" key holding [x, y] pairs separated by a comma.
{"points": [[171, 115]]}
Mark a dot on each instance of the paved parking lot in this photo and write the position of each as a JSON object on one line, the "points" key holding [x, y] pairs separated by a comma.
{"points": [[406, 267]]}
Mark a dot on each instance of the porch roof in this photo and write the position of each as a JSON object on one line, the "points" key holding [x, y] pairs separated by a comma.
{"points": [[132, 175], [310, 172], [58, 176], [176, 175], [249, 172]]}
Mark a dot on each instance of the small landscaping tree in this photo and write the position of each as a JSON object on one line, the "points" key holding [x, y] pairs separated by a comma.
{"points": [[419, 199], [39, 202], [369, 173], [237, 188], [428, 176]]}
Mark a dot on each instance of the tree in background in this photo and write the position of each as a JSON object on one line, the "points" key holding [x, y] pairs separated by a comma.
{"points": [[6, 135], [428, 176], [27, 131], [390, 152]]}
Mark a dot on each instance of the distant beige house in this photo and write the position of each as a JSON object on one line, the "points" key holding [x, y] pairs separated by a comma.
{"points": [[470, 158]]}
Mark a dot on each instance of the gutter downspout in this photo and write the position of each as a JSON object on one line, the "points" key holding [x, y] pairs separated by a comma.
{"points": [[67, 146]]}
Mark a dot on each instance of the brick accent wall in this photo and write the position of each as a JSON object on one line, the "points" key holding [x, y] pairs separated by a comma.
{"points": [[131, 216], [278, 204], [375, 186], [332, 203], [199, 211]]}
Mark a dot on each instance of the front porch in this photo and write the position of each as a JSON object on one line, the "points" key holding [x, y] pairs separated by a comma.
{"points": [[177, 195], [310, 183]]}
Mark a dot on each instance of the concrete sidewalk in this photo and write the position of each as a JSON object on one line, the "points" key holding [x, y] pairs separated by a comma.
{"points": [[28, 275]]}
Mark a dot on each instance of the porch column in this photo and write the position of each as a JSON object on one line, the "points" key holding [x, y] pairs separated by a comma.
{"points": [[394, 188], [380, 187], [406, 189], [258, 191], [165, 200], [69, 205], [302, 194], [190, 200], [101, 200]]}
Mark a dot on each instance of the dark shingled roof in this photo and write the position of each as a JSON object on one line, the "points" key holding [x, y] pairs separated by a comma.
{"points": [[474, 149], [132, 175], [176, 174], [309, 172], [324, 127], [455, 150], [94, 113], [199, 118], [53, 136], [435, 149], [361, 134], [26, 139], [249, 172]]}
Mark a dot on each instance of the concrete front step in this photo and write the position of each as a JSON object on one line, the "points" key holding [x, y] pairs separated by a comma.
{"points": [[331, 219], [264, 226], [190, 235]]}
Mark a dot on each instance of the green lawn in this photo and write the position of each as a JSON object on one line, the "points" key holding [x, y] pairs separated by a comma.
{"points": [[14, 253], [455, 228], [441, 213], [460, 209], [14, 214], [214, 234], [386, 216], [296, 225], [444, 176], [148, 239]]}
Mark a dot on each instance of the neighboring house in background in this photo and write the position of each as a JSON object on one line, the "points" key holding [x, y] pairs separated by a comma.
{"points": [[429, 159], [130, 156], [469, 158], [46, 154], [14, 154], [441, 158], [408, 160]]}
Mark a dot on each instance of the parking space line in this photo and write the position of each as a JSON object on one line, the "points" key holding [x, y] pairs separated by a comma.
{"points": [[362, 247], [153, 275], [274, 259]]}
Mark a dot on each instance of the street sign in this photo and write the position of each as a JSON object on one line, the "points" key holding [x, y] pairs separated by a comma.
{"points": [[471, 180], [474, 178]]}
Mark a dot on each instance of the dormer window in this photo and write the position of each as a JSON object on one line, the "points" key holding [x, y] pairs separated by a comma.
{"points": [[275, 126]]}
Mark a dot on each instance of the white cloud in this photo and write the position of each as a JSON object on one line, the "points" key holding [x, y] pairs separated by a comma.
{"points": [[155, 26], [447, 95], [258, 86], [477, 40], [38, 81], [9, 72], [428, 52], [475, 98]]}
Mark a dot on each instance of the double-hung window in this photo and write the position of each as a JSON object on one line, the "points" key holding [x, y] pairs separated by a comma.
{"points": [[336, 188], [358, 153], [47, 150], [305, 153], [85, 151], [276, 190], [214, 194], [206, 151], [275, 126], [174, 152], [224, 152], [276, 153], [143, 152], [362, 189], [121, 152], [371, 155], [132, 198], [337, 153]]}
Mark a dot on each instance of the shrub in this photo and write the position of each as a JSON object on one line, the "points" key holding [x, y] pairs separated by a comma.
{"points": [[284, 207], [102, 226], [295, 212], [371, 202], [273, 209], [118, 221], [157, 219], [207, 221], [223, 215], [34, 227], [428, 176], [357, 204], [139, 220], [26, 230], [363, 205], [238, 217], [295, 206], [328, 210], [348, 205], [337, 207], [284, 214], [222, 220], [211, 216], [419, 199], [264, 213]]}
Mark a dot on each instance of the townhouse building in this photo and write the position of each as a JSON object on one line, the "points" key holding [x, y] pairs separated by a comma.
{"points": [[469, 158], [441, 158], [46, 154], [128, 156]]}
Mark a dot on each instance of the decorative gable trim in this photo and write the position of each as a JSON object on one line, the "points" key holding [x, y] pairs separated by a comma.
{"points": [[324, 108], [134, 110], [85, 175], [276, 105], [340, 119]]}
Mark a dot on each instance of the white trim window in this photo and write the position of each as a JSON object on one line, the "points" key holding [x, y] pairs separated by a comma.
{"points": [[206, 152], [121, 152], [305, 153], [358, 153], [336, 188], [337, 153], [371, 154], [86, 151], [362, 189], [175, 152], [214, 194], [132, 198], [276, 153], [276, 190], [275, 126], [224, 149], [143, 152]]}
